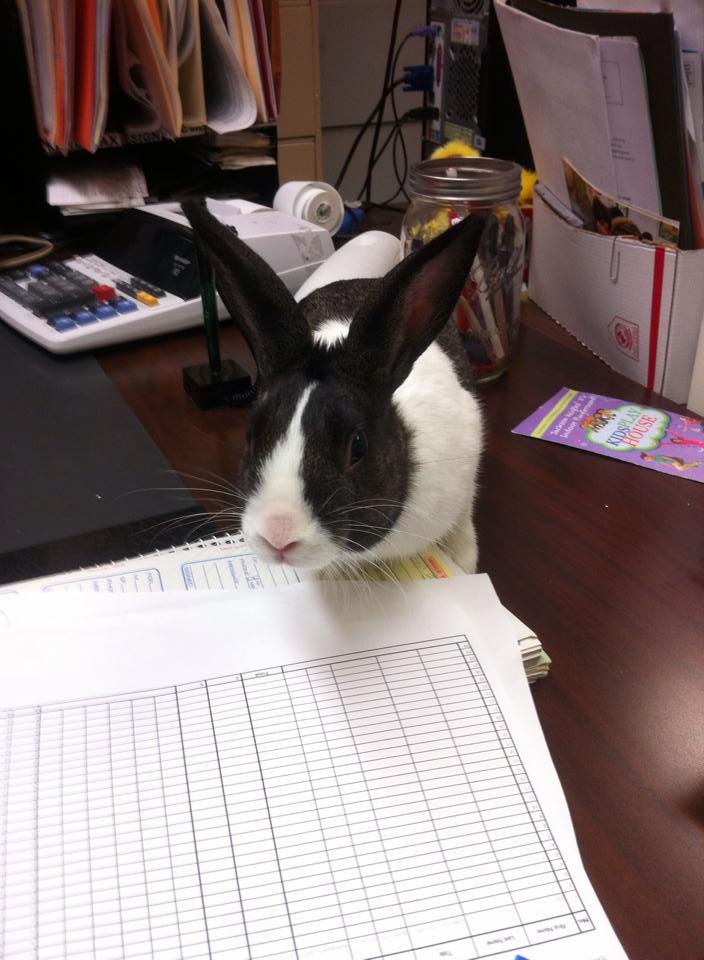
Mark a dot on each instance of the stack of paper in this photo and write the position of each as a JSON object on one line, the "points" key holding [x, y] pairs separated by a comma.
{"points": [[146, 68], [307, 774], [235, 151], [107, 183], [227, 564], [618, 95], [613, 100]]}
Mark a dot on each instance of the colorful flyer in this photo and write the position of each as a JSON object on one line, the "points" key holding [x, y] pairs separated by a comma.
{"points": [[648, 437], [613, 218]]}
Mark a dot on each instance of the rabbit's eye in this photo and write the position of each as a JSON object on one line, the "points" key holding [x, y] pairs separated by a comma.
{"points": [[358, 447]]}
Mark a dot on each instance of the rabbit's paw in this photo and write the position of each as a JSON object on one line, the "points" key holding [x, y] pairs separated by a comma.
{"points": [[461, 544]]}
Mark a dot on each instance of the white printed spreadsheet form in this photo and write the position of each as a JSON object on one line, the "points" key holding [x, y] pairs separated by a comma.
{"points": [[357, 806]]}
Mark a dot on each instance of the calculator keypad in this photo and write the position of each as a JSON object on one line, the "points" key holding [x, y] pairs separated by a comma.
{"points": [[67, 298]]}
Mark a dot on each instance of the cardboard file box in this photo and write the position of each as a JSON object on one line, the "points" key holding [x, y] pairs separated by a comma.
{"points": [[636, 306]]}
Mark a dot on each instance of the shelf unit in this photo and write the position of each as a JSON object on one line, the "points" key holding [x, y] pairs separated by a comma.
{"points": [[169, 165]]}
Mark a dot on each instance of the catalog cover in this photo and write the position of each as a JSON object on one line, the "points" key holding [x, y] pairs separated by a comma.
{"points": [[648, 437]]}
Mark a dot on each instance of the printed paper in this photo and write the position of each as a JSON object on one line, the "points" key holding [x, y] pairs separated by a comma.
{"points": [[646, 436]]}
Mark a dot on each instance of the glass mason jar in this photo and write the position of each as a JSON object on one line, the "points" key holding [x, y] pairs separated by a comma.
{"points": [[445, 191]]}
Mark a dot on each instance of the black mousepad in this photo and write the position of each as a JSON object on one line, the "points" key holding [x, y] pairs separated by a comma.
{"points": [[74, 458]]}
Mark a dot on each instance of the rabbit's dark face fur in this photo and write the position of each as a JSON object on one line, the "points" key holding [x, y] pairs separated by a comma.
{"points": [[329, 465], [333, 498]]}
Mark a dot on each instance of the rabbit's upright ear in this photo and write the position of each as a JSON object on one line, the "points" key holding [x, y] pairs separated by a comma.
{"points": [[409, 308], [267, 315]]}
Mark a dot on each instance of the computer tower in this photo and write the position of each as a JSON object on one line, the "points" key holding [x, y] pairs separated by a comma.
{"points": [[473, 87]]}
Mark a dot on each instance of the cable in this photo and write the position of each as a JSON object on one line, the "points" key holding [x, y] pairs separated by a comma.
{"points": [[37, 249], [396, 134], [400, 180], [362, 130], [392, 135], [388, 74], [416, 78], [367, 185]]}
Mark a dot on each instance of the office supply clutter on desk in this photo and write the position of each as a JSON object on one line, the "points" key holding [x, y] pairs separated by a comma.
{"points": [[309, 774], [609, 92]]}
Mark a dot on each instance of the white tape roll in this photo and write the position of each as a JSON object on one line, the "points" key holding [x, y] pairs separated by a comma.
{"points": [[311, 200]]}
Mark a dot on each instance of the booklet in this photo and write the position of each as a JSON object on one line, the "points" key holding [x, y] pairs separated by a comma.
{"points": [[657, 439], [611, 217]]}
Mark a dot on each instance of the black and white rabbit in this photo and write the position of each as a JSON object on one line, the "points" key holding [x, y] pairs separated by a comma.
{"points": [[365, 438]]}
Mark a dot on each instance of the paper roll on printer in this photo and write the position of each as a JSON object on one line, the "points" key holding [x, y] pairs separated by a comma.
{"points": [[313, 201]]}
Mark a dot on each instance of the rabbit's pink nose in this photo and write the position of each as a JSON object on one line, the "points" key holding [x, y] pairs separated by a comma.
{"points": [[279, 533]]}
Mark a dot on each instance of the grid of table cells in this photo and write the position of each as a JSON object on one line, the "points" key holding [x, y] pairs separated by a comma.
{"points": [[359, 807]]}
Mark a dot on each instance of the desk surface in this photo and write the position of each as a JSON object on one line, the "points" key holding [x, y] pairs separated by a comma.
{"points": [[605, 561]]}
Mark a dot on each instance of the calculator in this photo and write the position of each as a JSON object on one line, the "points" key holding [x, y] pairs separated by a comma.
{"points": [[86, 302], [141, 278]]}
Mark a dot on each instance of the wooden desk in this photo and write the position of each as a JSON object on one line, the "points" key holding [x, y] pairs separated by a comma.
{"points": [[604, 560]]}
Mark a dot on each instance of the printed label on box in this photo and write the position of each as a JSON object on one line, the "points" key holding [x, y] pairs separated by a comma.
{"points": [[626, 336]]}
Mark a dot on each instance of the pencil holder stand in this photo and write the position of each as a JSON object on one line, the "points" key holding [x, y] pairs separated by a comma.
{"points": [[443, 192]]}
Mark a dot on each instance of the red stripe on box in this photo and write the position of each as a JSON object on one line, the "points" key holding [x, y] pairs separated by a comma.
{"points": [[655, 304]]}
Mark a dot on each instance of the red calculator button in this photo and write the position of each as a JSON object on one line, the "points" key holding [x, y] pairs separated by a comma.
{"points": [[103, 292]]}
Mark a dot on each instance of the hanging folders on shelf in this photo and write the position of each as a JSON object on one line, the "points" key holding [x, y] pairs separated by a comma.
{"points": [[230, 101], [190, 64], [264, 57], [38, 35], [64, 64], [240, 26], [272, 19], [164, 64], [151, 100], [90, 95]]}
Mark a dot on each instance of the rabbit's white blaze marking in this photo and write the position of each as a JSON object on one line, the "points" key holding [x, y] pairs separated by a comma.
{"points": [[280, 492], [278, 513], [331, 332]]}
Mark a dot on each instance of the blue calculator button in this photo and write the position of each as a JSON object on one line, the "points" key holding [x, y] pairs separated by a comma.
{"points": [[105, 311], [63, 323], [37, 271], [84, 317], [125, 306]]}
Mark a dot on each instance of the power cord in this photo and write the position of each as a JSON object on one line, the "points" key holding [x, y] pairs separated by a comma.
{"points": [[388, 76], [416, 77], [396, 133], [363, 129]]}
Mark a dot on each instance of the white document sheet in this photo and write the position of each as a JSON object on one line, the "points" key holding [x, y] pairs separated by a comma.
{"points": [[692, 66], [688, 14], [632, 146], [559, 81], [329, 771]]}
